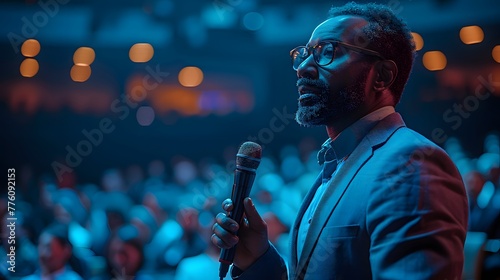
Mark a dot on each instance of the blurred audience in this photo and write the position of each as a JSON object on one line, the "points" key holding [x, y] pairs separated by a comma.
{"points": [[204, 266], [54, 254], [474, 182], [154, 221], [125, 256], [481, 178]]}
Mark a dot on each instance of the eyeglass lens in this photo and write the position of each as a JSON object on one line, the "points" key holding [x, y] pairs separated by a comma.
{"points": [[322, 53]]}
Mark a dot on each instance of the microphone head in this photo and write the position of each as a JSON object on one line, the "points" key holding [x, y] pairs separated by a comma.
{"points": [[249, 155]]}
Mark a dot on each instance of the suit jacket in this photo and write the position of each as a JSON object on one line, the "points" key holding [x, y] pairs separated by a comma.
{"points": [[396, 209]]}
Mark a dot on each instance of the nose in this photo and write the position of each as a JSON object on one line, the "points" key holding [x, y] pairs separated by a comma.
{"points": [[308, 68]]}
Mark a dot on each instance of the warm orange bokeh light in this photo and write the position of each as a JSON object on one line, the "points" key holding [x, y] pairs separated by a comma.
{"points": [[182, 100], [29, 67], [141, 52], [190, 76], [471, 34], [80, 73], [419, 41], [434, 60], [496, 53], [30, 48], [84, 56]]}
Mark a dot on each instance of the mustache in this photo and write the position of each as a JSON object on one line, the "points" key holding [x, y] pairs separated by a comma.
{"points": [[310, 82]]}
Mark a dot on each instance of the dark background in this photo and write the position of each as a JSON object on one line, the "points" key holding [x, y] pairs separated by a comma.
{"points": [[40, 115]]}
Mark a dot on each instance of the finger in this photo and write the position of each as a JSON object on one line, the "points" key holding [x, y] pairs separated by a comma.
{"points": [[255, 221], [226, 223], [219, 242], [228, 239], [227, 205]]}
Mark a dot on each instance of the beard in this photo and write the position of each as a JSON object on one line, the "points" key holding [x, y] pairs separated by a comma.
{"points": [[325, 106]]}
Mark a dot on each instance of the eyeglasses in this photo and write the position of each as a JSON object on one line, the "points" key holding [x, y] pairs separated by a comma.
{"points": [[324, 52]]}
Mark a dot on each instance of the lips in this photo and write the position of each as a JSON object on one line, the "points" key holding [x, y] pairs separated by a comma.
{"points": [[308, 95], [306, 89]]}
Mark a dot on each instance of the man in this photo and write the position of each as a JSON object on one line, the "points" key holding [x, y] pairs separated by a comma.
{"points": [[125, 255], [54, 253], [388, 204]]}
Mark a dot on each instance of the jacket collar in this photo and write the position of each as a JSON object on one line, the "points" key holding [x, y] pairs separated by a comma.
{"points": [[376, 137]]}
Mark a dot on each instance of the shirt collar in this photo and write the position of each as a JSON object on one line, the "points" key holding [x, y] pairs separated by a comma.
{"points": [[343, 145]]}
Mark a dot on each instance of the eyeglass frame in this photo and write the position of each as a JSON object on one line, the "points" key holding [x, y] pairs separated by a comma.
{"points": [[335, 44]]}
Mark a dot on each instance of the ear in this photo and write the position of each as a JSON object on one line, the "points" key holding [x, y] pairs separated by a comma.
{"points": [[386, 74]]}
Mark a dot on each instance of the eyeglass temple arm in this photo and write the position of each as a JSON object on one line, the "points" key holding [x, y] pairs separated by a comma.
{"points": [[361, 49]]}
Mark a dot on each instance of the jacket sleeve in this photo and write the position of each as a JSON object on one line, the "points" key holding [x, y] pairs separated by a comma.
{"points": [[417, 218], [269, 266]]}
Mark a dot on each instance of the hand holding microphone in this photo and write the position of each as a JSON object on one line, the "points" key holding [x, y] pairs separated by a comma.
{"points": [[242, 242]]}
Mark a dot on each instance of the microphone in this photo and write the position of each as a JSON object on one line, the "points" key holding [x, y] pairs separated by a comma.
{"points": [[247, 161]]}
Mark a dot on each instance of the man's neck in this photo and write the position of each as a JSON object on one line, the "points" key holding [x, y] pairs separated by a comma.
{"points": [[336, 127]]}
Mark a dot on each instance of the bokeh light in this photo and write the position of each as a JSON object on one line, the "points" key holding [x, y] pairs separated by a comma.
{"points": [[190, 76], [471, 34], [145, 115], [29, 67], [84, 56], [30, 48], [180, 99], [496, 53], [419, 41], [80, 73], [253, 21], [434, 60], [141, 52]]}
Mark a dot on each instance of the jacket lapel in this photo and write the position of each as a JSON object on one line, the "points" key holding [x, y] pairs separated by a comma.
{"points": [[300, 214], [336, 189]]}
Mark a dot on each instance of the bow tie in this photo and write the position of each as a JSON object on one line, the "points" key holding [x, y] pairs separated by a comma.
{"points": [[326, 154]]}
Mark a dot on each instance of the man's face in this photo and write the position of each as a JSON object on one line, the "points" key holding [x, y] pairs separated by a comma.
{"points": [[125, 258], [52, 253], [331, 92]]}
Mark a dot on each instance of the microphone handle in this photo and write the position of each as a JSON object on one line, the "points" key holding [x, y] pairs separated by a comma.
{"points": [[243, 180]]}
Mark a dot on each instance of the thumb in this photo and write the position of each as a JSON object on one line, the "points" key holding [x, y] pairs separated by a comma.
{"points": [[255, 221]]}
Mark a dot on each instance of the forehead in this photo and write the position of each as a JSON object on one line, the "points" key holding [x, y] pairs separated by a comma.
{"points": [[344, 28]]}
